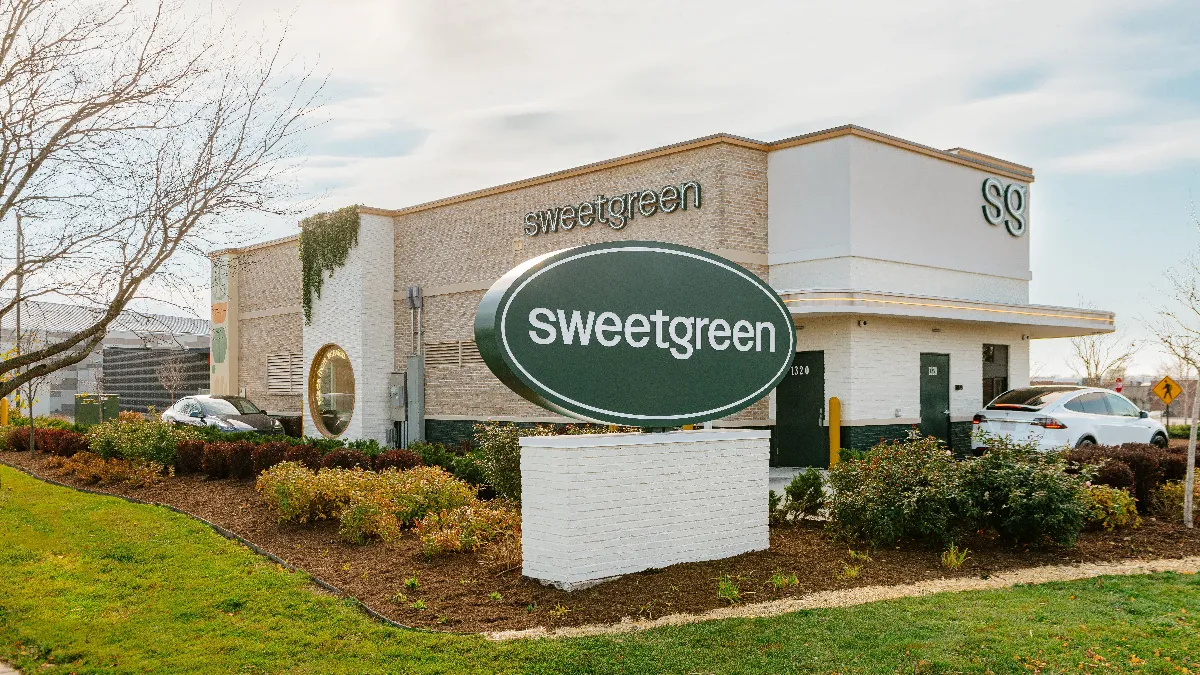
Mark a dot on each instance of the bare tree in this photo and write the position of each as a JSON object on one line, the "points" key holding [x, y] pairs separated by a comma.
{"points": [[129, 139], [171, 374], [1178, 331], [1101, 358]]}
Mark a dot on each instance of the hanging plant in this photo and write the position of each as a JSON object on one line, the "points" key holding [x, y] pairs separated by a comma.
{"points": [[325, 242]]}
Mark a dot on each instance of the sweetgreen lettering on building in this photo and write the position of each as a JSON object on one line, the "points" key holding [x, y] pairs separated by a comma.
{"points": [[615, 211], [638, 333]]}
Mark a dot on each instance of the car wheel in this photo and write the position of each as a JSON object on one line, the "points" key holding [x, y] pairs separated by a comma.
{"points": [[1085, 442], [1159, 440]]}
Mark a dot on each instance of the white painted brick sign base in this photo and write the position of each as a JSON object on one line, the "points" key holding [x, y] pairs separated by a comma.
{"points": [[597, 506]]}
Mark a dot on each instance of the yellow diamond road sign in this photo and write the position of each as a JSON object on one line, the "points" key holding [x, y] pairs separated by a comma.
{"points": [[1167, 389]]}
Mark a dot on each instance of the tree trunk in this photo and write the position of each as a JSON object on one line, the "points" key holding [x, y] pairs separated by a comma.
{"points": [[1189, 482]]}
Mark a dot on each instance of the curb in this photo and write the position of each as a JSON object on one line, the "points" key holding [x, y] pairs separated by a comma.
{"points": [[233, 536]]}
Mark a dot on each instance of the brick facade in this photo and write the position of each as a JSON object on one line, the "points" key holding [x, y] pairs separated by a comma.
{"points": [[269, 320], [477, 241]]}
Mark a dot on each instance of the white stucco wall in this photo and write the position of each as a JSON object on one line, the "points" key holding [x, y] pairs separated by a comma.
{"points": [[875, 369], [857, 214], [601, 505], [886, 359], [355, 311], [864, 274]]}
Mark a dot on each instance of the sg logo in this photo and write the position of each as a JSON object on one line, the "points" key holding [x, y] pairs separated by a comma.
{"points": [[1005, 204]]}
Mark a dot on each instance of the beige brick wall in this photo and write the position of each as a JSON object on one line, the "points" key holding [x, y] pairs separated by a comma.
{"points": [[269, 277], [257, 338], [481, 239], [268, 281]]}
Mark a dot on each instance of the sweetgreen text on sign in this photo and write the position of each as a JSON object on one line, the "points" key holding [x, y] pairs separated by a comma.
{"points": [[636, 333]]}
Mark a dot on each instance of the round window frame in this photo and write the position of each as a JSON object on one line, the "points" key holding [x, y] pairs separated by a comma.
{"points": [[312, 389]]}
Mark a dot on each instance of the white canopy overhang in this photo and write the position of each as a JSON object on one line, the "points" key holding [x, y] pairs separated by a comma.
{"points": [[1039, 321]]}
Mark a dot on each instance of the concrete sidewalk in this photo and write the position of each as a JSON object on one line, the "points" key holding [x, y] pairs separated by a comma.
{"points": [[6, 669]]}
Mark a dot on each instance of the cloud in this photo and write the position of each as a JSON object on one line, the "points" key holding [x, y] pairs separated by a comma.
{"points": [[1141, 149]]}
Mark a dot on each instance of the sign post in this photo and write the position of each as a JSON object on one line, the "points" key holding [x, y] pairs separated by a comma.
{"points": [[1166, 390], [643, 334]]}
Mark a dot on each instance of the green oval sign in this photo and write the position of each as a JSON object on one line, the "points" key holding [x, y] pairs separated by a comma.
{"points": [[639, 333]]}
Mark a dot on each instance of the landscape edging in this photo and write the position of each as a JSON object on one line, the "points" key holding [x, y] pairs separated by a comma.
{"points": [[867, 594]]}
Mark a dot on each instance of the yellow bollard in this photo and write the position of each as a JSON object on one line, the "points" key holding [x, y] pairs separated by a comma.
{"points": [[3, 412], [835, 430]]}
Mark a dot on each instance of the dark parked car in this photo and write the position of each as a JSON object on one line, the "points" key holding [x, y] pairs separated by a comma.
{"points": [[227, 413]]}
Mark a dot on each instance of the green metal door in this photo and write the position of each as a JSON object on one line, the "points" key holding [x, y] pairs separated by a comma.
{"points": [[801, 437], [935, 396]]}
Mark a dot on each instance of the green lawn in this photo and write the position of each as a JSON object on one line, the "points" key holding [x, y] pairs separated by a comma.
{"points": [[101, 585]]}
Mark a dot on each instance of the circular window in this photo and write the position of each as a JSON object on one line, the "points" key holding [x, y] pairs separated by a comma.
{"points": [[331, 390]]}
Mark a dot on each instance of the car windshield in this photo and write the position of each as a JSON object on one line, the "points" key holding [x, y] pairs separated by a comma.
{"points": [[234, 405], [1031, 398]]}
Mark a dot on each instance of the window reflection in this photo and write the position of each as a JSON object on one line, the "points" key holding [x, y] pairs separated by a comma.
{"points": [[331, 390]]}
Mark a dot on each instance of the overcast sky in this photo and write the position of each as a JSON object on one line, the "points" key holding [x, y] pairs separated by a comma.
{"points": [[1102, 98]]}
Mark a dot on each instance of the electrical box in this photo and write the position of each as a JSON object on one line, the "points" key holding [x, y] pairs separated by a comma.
{"points": [[398, 396]]}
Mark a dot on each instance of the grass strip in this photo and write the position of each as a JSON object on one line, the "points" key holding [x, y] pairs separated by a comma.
{"points": [[94, 584]]}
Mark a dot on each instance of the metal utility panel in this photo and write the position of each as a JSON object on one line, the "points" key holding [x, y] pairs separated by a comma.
{"points": [[398, 396], [416, 398]]}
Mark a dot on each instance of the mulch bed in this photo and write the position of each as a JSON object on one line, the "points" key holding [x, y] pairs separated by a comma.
{"points": [[456, 589]]}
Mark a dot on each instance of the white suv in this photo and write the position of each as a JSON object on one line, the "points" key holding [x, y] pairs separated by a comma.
{"points": [[1064, 416]]}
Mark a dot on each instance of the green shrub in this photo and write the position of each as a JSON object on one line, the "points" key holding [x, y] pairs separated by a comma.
{"points": [[774, 513], [46, 422], [433, 454], [1024, 495], [1179, 431], [499, 450], [500, 455], [469, 467], [906, 489], [367, 446], [1110, 508], [805, 494], [136, 438]]}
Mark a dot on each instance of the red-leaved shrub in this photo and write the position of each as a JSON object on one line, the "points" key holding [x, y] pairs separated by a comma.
{"points": [[61, 442], [346, 459], [215, 462], [240, 456], [268, 455], [1146, 462], [306, 455], [189, 456], [18, 439], [397, 459], [1174, 464]]}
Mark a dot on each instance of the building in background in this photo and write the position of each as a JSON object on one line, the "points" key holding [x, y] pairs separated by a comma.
{"points": [[139, 376], [139, 338], [906, 269]]}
